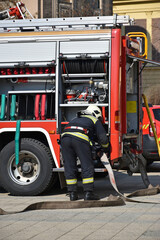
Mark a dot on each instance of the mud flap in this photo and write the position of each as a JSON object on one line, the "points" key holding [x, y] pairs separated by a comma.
{"points": [[143, 172]]}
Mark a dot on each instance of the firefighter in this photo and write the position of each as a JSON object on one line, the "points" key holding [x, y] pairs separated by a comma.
{"points": [[76, 142]]}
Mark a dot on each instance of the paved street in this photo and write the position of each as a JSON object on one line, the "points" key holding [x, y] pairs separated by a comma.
{"points": [[133, 221]]}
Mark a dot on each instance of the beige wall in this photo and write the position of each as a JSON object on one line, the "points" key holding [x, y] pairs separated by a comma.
{"points": [[148, 10], [32, 6], [144, 9]]}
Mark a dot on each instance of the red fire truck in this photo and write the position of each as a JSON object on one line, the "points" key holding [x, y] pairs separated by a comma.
{"points": [[49, 70]]}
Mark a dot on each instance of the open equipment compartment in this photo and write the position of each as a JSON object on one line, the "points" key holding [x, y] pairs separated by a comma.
{"points": [[84, 71]]}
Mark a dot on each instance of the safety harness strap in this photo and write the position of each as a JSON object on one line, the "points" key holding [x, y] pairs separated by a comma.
{"points": [[77, 128]]}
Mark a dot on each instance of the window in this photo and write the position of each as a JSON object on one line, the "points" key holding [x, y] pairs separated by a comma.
{"points": [[156, 113]]}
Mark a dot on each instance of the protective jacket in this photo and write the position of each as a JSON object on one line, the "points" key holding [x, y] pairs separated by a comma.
{"points": [[87, 129]]}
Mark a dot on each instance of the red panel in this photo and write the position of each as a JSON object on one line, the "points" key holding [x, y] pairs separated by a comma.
{"points": [[123, 88], [115, 94], [56, 146], [46, 125], [103, 114]]}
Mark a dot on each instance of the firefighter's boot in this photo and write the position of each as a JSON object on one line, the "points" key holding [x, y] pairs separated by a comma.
{"points": [[73, 196], [90, 196]]}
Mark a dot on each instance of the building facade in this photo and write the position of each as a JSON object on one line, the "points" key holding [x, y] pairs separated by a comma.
{"points": [[68, 8], [147, 15], [147, 19]]}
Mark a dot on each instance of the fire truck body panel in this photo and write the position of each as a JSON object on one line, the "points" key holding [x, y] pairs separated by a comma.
{"points": [[33, 127], [123, 89], [115, 136]]}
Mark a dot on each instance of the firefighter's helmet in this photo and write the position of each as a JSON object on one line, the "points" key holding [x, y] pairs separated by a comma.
{"points": [[94, 111]]}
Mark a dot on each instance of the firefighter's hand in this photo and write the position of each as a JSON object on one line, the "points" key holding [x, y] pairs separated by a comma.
{"points": [[107, 154], [100, 153]]}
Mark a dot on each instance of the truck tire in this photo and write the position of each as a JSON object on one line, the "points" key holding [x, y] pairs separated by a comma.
{"points": [[134, 165], [34, 173]]}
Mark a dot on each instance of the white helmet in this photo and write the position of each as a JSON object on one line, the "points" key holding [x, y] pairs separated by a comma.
{"points": [[94, 111]]}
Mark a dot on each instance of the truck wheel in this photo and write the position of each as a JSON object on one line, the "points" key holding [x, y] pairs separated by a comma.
{"points": [[33, 175], [134, 164]]}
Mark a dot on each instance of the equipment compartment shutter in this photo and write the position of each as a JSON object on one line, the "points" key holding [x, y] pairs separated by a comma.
{"points": [[27, 51], [98, 47]]}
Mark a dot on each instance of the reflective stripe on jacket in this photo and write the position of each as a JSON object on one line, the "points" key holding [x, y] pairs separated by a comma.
{"points": [[77, 134]]}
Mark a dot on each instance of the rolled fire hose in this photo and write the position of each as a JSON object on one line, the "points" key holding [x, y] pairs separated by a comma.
{"points": [[13, 107]]}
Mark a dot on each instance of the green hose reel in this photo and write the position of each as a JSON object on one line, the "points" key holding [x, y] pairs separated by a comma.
{"points": [[3, 106], [13, 107]]}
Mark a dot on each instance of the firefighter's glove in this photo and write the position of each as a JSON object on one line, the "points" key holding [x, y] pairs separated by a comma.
{"points": [[108, 149], [96, 151]]}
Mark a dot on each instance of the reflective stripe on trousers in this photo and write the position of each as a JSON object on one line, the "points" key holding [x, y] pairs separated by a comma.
{"points": [[88, 180], [71, 181]]}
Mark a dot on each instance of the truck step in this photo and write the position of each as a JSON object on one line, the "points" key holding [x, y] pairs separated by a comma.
{"points": [[79, 169]]}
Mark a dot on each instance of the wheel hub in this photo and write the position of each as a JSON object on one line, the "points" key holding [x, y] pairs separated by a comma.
{"points": [[27, 167]]}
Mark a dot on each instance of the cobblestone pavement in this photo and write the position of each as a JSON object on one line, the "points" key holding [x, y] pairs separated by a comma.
{"points": [[129, 222]]}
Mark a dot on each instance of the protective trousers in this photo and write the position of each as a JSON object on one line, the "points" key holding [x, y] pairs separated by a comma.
{"points": [[71, 149]]}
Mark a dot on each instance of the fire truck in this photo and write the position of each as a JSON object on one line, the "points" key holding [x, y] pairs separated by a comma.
{"points": [[19, 11], [49, 70]]}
